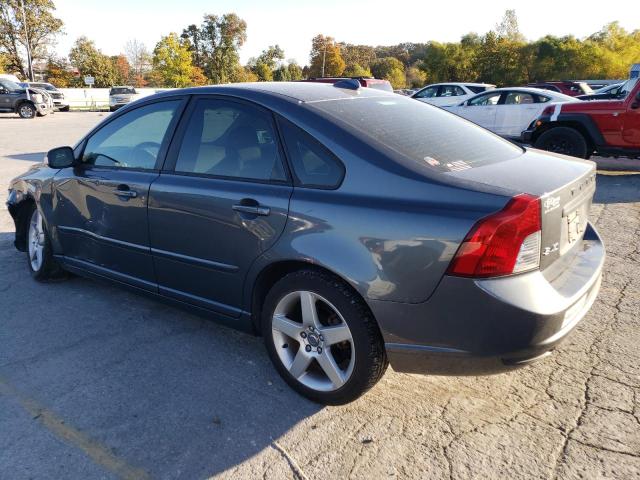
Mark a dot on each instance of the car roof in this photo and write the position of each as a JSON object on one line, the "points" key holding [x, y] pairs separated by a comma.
{"points": [[461, 83], [300, 92]]}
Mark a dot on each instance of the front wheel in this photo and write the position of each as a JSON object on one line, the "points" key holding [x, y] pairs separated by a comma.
{"points": [[26, 110], [39, 257], [564, 140], [322, 338]]}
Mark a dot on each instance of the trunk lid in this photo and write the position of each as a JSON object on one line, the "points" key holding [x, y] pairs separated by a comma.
{"points": [[565, 186]]}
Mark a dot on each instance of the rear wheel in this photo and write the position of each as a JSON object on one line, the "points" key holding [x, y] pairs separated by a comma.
{"points": [[39, 257], [322, 338], [26, 110], [564, 140]]}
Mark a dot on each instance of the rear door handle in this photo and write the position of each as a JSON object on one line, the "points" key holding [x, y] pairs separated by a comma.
{"points": [[252, 209]]}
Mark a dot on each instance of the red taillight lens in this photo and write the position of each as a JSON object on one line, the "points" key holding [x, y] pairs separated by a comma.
{"points": [[548, 110], [492, 246]]}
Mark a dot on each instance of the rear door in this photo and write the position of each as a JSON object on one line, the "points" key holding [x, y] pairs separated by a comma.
{"points": [[220, 202], [100, 206]]}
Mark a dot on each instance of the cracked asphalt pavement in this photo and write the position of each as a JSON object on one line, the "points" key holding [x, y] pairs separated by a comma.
{"points": [[97, 382]]}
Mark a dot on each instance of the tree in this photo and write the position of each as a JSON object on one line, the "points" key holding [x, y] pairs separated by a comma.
{"points": [[389, 68], [326, 59], [58, 74], [121, 69], [91, 61], [360, 55], [139, 61], [172, 61], [416, 78], [294, 70], [355, 70], [3, 62], [265, 65], [214, 45], [41, 25]]}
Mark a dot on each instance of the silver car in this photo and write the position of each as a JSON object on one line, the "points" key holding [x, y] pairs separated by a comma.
{"points": [[121, 96]]}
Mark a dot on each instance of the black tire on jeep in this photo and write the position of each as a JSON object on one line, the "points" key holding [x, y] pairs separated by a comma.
{"points": [[27, 110], [564, 140]]}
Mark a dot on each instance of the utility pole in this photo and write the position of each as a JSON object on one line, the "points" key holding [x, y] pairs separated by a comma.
{"points": [[27, 43], [324, 54]]}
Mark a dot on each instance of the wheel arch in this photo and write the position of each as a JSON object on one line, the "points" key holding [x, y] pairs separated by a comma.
{"points": [[277, 270], [20, 213], [583, 124]]}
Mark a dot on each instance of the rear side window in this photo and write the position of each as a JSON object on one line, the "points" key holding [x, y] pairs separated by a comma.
{"points": [[313, 165], [476, 88], [229, 139], [418, 135]]}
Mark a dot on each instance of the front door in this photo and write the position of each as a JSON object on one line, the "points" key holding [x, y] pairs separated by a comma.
{"points": [[481, 110], [515, 113], [100, 206], [631, 121], [221, 201]]}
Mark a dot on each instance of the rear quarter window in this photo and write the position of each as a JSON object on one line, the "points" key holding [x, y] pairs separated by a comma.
{"points": [[419, 135]]}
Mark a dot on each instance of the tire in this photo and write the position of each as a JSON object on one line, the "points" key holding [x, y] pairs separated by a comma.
{"points": [[112, 109], [27, 110], [42, 265], [564, 140], [65, 109], [355, 363]]}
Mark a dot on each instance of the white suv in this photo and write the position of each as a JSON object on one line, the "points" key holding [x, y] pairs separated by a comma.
{"points": [[447, 94]]}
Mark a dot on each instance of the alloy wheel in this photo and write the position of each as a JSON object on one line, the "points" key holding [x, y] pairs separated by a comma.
{"points": [[313, 341], [36, 241]]}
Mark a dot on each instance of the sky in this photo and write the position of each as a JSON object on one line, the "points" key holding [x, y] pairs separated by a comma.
{"points": [[292, 24]]}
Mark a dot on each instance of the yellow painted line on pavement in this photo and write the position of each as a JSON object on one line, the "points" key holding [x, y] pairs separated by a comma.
{"points": [[100, 454]]}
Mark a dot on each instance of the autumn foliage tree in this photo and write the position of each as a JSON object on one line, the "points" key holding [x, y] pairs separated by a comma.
{"points": [[326, 59], [42, 27], [172, 62]]}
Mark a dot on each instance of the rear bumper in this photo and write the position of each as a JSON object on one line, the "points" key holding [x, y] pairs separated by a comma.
{"points": [[527, 135], [477, 327]]}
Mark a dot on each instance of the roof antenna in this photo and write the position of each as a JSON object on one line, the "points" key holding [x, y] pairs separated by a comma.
{"points": [[348, 83]]}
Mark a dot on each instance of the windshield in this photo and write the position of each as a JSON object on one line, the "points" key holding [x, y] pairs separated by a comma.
{"points": [[419, 135], [122, 91], [45, 86], [11, 86], [627, 87]]}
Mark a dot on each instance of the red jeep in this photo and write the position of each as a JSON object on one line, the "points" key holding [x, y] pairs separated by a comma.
{"points": [[609, 128]]}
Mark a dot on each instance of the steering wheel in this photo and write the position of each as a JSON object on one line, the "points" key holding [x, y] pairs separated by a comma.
{"points": [[146, 152]]}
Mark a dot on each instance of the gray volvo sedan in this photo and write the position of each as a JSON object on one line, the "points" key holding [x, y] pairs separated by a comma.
{"points": [[350, 227]]}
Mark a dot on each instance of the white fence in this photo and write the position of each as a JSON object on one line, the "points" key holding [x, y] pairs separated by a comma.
{"points": [[97, 98]]}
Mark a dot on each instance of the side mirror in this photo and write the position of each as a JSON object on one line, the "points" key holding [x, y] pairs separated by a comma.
{"points": [[61, 157]]}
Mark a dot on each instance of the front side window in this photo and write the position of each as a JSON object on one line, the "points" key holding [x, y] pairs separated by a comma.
{"points": [[230, 139], [485, 100], [313, 165], [132, 140]]}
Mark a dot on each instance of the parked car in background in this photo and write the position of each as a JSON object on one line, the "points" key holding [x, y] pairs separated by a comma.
{"points": [[26, 102], [56, 95], [120, 96], [370, 82], [581, 129], [446, 94], [573, 89], [507, 111], [348, 233], [10, 77], [605, 93]]}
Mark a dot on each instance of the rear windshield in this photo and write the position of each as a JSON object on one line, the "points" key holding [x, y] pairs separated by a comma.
{"points": [[122, 91], [420, 135], [385, 86]]}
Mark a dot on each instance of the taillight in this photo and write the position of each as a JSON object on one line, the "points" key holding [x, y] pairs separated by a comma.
{"points": [[503, 243], [548, 110]]}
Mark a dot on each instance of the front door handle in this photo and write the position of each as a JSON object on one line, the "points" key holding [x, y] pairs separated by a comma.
{"points": [[252, 209], [125, 192]]}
